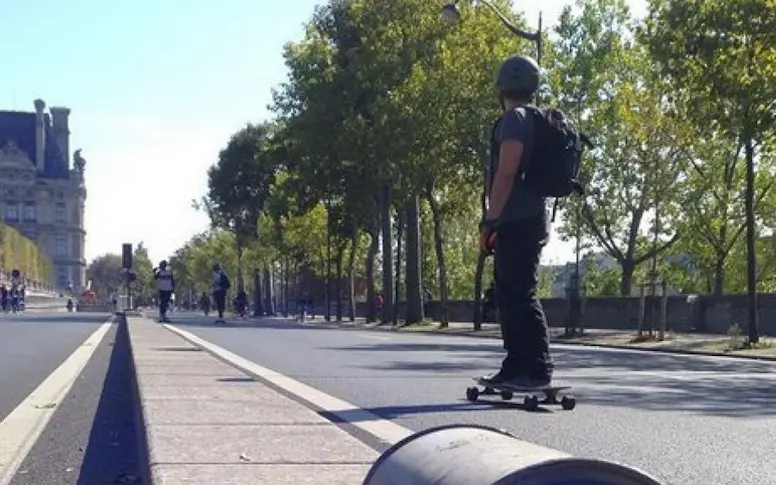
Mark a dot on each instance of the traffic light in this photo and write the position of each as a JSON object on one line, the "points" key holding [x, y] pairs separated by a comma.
{"points": [[126, 256]]}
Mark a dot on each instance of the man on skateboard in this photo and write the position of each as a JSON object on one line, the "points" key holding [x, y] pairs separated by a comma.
{"points": [[516, 228]]}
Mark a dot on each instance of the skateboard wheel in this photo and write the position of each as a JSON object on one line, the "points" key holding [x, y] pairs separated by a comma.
{"points": [[472, 393], [568, 403], [531, 403], [507, 395]]}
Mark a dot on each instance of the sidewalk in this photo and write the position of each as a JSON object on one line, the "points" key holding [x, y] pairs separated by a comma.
{"points": [[207, 423], [686, 343]]}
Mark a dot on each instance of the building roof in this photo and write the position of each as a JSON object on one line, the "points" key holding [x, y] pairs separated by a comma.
{"points": [[19, 127]]}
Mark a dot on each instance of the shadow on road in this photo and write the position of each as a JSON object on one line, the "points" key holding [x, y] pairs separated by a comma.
{"points": [[650, 381], [392, 412], [112, 454]]}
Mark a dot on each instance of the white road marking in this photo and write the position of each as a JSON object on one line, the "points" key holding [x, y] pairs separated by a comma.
{"points": [[350, 413], [21, 429], [375, 337]]}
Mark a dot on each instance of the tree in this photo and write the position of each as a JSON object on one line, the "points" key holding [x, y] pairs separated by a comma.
{"points": [[724, 53], [106, 274], [609, 89], [238, 185], [145, 284]]}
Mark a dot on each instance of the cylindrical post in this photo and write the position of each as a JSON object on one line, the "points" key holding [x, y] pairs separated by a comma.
{"points": [[478, 455]]}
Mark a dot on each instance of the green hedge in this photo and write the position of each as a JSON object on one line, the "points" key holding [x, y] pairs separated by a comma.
{"points": [[18, 252]]}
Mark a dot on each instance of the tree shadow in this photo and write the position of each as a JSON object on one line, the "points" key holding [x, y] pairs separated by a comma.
{"points": [[392, 412], [649, 381]]}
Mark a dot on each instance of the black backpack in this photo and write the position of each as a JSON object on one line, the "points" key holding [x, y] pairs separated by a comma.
{"points": [[554, 164], [225, 283]]}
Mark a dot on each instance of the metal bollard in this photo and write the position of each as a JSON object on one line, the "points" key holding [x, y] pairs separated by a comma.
{"points": [[480, 455]]}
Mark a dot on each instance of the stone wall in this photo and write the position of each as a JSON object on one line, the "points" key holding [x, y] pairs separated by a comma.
{"points": [[704, 313]]}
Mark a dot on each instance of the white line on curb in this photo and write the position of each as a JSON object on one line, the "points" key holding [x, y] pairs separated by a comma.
{"points": [[350, 413], [20, 430]]}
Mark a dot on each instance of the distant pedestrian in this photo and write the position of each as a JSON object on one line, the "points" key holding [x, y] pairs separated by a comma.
{"points": [[114, 299], [221, 285], [165, 284]]}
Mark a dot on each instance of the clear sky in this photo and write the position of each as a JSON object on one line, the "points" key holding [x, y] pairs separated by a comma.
{"points": [[156, 87]]}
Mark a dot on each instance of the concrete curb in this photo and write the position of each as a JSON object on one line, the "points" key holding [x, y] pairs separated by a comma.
{"points": [[204, 420], [472, 334]]}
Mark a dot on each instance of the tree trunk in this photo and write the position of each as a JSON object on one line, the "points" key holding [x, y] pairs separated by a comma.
{"points": [[397, 278], [387, 233], [480, 270], [369, 266], [327, 296], [626, 282], [751, 255], [479, 273], [269, 308], [352, 278], [719, 275], [286, 276], [436, 216], [414, 311], [338, 282], [258, 296], [240, 277]]}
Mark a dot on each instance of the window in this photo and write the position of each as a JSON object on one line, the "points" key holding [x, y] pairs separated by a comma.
{"points": [[62, 277], [60, 215], [60, 245], [11, 210], [30, 212]]}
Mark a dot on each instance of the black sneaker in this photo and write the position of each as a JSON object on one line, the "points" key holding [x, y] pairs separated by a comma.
{"points": [[498, 378], [528, 382]]}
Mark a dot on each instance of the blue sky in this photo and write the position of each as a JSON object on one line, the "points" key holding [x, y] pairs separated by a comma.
{"points": [[155, 90]]}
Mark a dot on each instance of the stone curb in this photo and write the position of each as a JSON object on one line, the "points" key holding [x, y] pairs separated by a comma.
{"points": [[204, 421], [664, 350]]}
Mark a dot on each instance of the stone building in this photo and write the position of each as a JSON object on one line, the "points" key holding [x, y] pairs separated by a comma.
{"points": [[41, 195]]}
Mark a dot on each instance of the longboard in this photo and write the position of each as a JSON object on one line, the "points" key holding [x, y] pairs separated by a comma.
{"points": [[531, 399]]}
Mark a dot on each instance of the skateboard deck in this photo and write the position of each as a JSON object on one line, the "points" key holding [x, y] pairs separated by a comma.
{"points": [[531, 399]]}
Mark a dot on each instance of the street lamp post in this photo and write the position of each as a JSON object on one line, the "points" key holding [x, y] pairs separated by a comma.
{"points": [[452, 13]]}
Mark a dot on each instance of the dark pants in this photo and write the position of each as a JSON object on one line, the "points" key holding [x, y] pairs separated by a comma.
{"points": [[219, 297], [523, 324], [164, 302]]}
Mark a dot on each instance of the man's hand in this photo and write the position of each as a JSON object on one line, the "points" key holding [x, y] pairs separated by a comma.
{"points": [[488, 237]]}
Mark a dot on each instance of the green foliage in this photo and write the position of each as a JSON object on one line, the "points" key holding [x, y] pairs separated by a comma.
{"points": [[18, 252], [106, 274], [387, 94]]}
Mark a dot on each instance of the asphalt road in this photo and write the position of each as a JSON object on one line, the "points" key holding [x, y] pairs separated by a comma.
{"points": [[689, 420], [92, 437]]}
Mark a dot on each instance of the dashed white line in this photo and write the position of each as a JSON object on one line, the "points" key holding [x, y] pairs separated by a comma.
{"points": [[20, 430]]}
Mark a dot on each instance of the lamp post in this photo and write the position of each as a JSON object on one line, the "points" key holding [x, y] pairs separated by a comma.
{"points": [[452, 13]]}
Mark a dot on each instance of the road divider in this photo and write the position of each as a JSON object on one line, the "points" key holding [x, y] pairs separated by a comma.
{"points": [[469, 454]]}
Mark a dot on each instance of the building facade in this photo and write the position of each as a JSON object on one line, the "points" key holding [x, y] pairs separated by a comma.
{"points": [[42, 194]]}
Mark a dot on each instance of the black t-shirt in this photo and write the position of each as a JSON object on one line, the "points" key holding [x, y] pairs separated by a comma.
{"points": [[523, 202]]}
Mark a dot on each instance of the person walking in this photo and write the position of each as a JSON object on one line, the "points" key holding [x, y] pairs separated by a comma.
{"points": [[516, 229], [165, 283], [221, 285]]}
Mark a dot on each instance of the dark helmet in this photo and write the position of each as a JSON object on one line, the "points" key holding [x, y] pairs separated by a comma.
{"points": [[519, 74], [216, 267], [163, 264]]}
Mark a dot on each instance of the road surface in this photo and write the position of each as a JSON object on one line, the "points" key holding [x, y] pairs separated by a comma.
{"points": [[689, 420], [91, 433]]}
